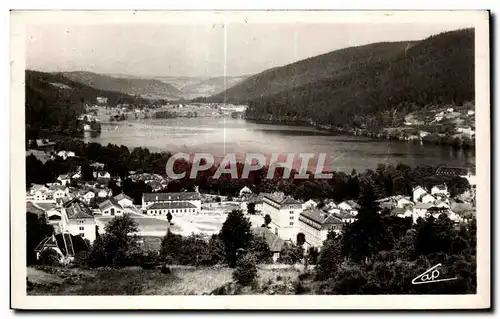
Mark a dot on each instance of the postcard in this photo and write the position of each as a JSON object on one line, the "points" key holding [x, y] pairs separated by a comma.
{"points": [[250, 160]]}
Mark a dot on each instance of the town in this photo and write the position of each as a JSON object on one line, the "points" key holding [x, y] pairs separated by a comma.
{"points": [[82, 208]]}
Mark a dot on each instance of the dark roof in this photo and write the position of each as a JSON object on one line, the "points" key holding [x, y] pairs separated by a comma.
{"points": [[121, 196], [281, 199], [111, 202], [320, 217], [274, 242], [75, 209], [452, 171], [46, 206], [171, 205], [32, 208], [164, 197]]}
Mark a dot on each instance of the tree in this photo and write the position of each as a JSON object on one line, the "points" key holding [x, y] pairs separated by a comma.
{"points": [[236, 235], [267, 220], [367, 235], [36, 230], [291, 254], [301, 239], [246, 270], [260, 249], [117, 245], [251, 208], [329, 259], [48, 257], [170, 247], [169, 217]]}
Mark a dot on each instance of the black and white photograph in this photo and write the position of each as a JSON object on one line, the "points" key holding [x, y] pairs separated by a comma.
{"points": [[264, 154]]}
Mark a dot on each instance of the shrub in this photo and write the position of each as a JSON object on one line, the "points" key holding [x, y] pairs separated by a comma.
{"points": [[49, 257], [82, 259], [246, 270]]}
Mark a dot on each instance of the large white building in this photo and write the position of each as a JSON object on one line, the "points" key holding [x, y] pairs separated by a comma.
{"points": [[77, 219], [174, 208], [284, 212], [316, 223], [149, 199]]}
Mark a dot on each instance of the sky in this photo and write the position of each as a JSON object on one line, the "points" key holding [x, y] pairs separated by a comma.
{"points": [[200, 49]]}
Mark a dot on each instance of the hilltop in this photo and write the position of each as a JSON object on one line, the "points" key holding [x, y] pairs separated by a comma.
{"points": [[378, 83], [148, 88]]}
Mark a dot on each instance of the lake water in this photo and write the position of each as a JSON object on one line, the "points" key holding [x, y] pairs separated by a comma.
{"points": [[219, 136]]}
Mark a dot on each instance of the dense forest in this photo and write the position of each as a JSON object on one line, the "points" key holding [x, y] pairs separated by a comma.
{"points": [[365, 81], [53, 103], [127, 85]]}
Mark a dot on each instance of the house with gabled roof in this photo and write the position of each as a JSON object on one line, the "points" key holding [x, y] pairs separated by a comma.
{"points": [[110, 207], [124, 200], [273, 241], [174, 208]]}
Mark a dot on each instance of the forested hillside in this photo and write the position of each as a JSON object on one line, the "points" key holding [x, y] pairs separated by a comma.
{"points": [[54, 102], [348, 85], [131, 85]]}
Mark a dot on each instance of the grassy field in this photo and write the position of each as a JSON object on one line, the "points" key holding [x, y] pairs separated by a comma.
{"points": [[136, 281]]}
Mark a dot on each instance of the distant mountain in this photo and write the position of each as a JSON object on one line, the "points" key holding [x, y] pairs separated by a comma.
{"points": [[346, 86], [53, 102], [148, 88], [211, 86]]}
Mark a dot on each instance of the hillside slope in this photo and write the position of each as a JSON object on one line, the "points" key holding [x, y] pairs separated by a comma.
{"points": [[363, 82], [150, 88], [325, 66], [53, 102]]}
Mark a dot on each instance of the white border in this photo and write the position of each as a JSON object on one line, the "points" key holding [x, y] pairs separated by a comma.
{"points": [[17, 36]]}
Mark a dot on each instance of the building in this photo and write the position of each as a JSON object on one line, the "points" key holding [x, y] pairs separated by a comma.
{"points": [[59, 191], [101, 100], [245, 192], [111, 207], [315, 224], [420, 195], [345, 217], [309, 204], [123, 200], [452, 171], [440, 189], [104, 193], [39, 192], [64, 179], [349, 206], [273, 241], [77, 219], [174, 208], [183, 197], [284, 212], [65, 154]]}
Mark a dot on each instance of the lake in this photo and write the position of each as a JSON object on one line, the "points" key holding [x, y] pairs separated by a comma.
{"points": [[219, 136]]}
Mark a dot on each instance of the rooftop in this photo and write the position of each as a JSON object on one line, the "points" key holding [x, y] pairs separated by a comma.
{"points": [[156, 197], [109, 203], [171, 205], [75, 209], [320, 217], [274, 242]]}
